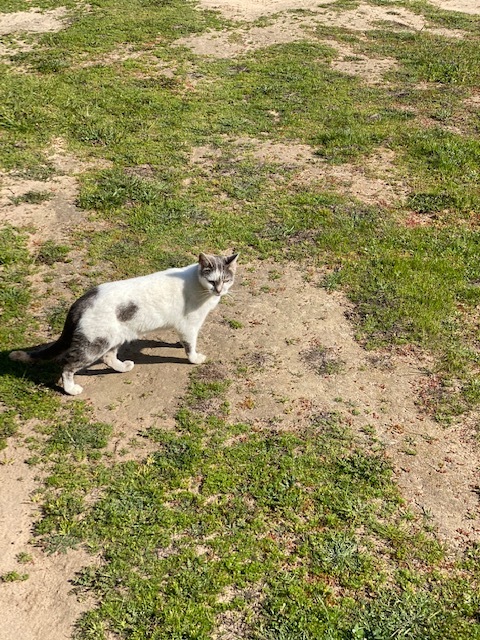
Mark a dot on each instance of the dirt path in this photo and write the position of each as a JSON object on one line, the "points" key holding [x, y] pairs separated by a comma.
{"points": [[463, 6], [41, 606], [291, 329]]}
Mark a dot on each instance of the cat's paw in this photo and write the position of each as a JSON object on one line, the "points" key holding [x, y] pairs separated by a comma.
{"points": [[198, 358], [128, 365], [74, 390], [118, 365]]}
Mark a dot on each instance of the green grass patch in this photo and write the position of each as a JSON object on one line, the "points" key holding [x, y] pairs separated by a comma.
{"points": [[13, 576], [431, 58], [33, 197], [278, 532], [21, 393], [50, 252]]}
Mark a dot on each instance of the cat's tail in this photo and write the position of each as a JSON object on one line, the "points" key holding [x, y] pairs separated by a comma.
{"points": [[52, 350], [20, 356], [49, 351], [55, 350]]}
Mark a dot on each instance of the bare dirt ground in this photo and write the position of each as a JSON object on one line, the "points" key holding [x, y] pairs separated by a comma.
{"points": [[40, 607], [463, 6], [374, 181], [291, 27], [290, 328], [33, 21]]}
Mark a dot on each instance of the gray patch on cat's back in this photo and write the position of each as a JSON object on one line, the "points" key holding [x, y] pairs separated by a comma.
{"points": [[125, 312], [79, 307]]}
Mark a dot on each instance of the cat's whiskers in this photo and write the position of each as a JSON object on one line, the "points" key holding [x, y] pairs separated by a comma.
{"points": [[205, 294]]}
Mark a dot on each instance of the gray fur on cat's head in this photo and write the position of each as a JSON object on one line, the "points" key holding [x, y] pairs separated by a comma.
{"points": [[216, 273]]}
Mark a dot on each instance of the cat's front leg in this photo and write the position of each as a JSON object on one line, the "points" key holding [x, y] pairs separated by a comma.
{"points": [[190, 344]]}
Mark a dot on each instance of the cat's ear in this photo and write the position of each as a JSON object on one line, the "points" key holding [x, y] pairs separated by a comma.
{"points": [[231, 260], [204, 261]]}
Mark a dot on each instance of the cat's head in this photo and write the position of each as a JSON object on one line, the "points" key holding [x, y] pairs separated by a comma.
{"points": [[216, 273]]}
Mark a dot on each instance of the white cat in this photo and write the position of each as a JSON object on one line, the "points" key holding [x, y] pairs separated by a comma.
{"points": [[114, 313]]}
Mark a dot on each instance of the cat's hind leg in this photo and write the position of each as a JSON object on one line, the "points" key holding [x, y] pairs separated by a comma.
{"points": [[111, 359], [69, 384], [81, 354]]}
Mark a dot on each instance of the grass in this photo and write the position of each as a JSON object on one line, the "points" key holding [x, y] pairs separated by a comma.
{"points": [[289, 525], [49, 253], [13, 576], [32, 197], [267, 535]]}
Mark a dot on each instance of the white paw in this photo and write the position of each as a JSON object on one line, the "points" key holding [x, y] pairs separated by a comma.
{"points": [[198, 358], [128, 365], [74, 390]]}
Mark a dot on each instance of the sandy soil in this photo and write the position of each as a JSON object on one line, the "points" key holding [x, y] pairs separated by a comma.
{"points": [[20, 23], [462, 6], [375, 181], [33, 21], [251, 10], [42, 606], [292, 27], [285, 321], [52, 219]]}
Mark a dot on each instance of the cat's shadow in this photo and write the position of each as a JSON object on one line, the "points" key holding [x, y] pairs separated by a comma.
{"points": [[48, 373], [133, 351]]}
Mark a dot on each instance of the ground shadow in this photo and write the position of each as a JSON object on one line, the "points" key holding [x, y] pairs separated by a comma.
{"points": [[48, 373], [133, 351], [41, 373]]}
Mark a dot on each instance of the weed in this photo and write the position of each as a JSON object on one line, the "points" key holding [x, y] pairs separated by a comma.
{"points": [[32, 197], [50, 252], [13, 576], [322, 360], [234, 324], [24, 558], [57, 315]]}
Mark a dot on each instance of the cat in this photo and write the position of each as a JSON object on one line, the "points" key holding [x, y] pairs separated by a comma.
{"points": [[115, 313]]}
